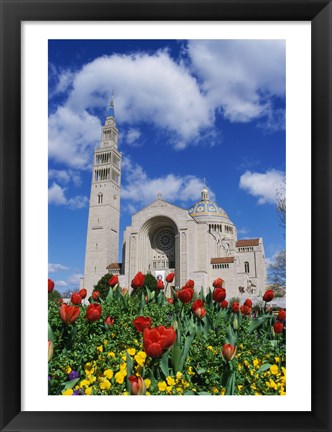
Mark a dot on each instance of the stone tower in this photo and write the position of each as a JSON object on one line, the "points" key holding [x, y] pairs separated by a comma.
{"points": [[102, 241]]}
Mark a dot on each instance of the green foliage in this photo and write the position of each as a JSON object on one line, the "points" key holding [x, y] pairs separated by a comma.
{"points": [[103, 286], [150, 282], [54, 296], [104, 356]]}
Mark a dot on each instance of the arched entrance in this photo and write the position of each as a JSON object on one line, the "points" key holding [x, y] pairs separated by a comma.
{"points": [[159, 242]]}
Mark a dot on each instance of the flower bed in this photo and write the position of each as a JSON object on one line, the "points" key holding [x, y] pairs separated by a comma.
{"points": [[188, 343]]}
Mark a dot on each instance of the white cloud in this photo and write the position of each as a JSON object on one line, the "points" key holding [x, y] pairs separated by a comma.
{"points": [[74, 279], [139, 188], [65, 177], [264, 186], [60, 283], [54, 268], [238, 79], [132, 136], [56, 196], [239, 76], [72, 137]]}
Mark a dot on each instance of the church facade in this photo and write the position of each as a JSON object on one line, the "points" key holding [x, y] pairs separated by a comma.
{"points": [[198, 243]]}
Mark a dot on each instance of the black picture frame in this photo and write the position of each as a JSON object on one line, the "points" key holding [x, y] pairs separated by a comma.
{"points": [[13, 12]]}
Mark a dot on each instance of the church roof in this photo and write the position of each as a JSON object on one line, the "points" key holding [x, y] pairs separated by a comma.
{"points": [[110, 112], [247, 242], [207, 210], [114, 266], [222, 260]]}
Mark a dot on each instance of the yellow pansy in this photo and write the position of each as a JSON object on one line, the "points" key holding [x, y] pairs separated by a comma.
{"points": [[89, 369], [84, 383], [100, 348], [68, 392], [131, 351], [91, 379], [105, 342], [124, 357], [240, 387], [246, 363], [88, 391], [104, 384], [108, 373], [256, 362], [162, 386], [68, 369], [239, 366], [214, 390], [179, 389], [125, 393], [169, 389], [111, 354], [223, 391], [185, 383], [178, 375], [147, 383], [170, 381], [140, 358], [277, 359], [210, 348], [119, 377], [274, 369], [190, 371]]}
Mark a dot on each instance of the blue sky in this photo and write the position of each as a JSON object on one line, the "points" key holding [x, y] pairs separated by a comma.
{"points": [[185, 110]]}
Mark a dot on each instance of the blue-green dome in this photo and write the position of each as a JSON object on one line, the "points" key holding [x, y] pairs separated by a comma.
{"points": [[206, 210]]}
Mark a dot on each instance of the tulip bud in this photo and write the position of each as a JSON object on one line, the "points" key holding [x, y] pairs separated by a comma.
{"points": [[278, 327], [50, 350], [228, 352], [50, 285], [235, 324], [281, 315], [137, 385]]}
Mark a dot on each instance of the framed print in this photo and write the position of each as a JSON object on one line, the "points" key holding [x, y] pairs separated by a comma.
{"points": [[194, 114]]}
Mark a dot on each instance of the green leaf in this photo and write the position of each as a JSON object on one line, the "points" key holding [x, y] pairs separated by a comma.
{"points": [[129, 369], [164, 364], [231, 335], [264, 367], [109, 296], [176, 356], [201, 370], [50, 334], [258, 322], [230, 385], [70, 384]]}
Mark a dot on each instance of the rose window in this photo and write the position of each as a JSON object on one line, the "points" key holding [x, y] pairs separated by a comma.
{"points": [[165, 240]]}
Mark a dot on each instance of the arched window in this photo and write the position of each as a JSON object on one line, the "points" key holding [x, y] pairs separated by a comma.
{"points": [[100, 198], [246, 267]]}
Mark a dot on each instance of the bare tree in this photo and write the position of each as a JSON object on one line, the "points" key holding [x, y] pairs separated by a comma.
{"points": [[281, 204]]}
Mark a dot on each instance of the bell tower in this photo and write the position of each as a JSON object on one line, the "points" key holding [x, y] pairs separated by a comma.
{"points": [[102, 243]]}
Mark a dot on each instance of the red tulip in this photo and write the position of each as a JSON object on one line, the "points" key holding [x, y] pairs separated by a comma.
{"points": [[51, 285], [160, 284], [198, 308], [228, 352], [109, 321], [268, 296], [60, 301], [158, 339], [224, 304], [95, 295], [190, 284], [69, 314], [218, 283], [83, 293], [113, 281], [281, 315], [197, 304], [170, 300], [245, 310], [278, 327], [137, 385], [248, 303], [93, 312], [219, 295], [138, 280], [185, 295], [76, 299], [235, 307], [170, 277], [142, 323]]}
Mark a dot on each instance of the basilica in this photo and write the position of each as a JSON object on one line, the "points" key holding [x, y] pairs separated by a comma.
{"points": [[199, 243]]}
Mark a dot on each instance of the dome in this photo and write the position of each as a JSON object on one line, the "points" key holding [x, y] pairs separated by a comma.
{"points": [[206, 210]]}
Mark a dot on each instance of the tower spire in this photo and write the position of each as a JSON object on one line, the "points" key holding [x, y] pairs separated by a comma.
{"points": [[110, 112], [205, 192]]}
